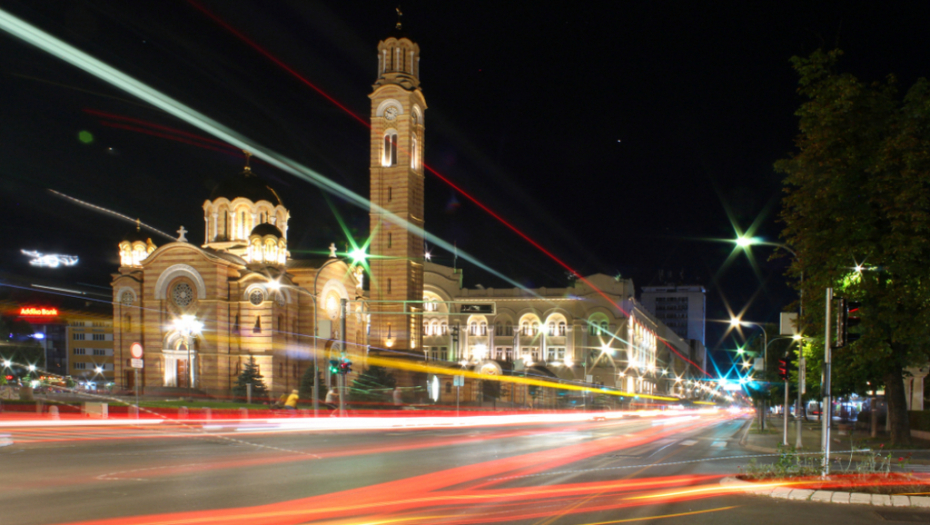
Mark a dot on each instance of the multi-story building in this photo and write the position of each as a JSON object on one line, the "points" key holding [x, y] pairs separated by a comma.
{"points": [[683, 308], [90, 348]]}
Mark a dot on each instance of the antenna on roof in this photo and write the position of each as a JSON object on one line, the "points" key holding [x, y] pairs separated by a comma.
{"points": [[248, 156]]}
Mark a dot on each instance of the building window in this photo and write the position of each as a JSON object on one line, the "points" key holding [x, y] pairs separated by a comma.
{"points": [[99, 351], [389, 330], [182, 295], [445, 328], [78, 337], [389, 285], [80, 366], [79, 351], [390, 194], [389, 155], [535, 329], [256, 297], [258, 325], [604, 328], [484, 328], [99, 337], [236, 324], [413, 154], [562, 328], [390, 240]]}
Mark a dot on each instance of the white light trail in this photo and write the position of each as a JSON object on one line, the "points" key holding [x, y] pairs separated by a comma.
{"points": [[48, 43], [110, 212], [50, 260]]}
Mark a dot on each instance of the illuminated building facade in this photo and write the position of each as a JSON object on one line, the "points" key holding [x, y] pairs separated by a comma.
{"points": [[572, 333], [396, 152], [90, 349], [201, 312]]}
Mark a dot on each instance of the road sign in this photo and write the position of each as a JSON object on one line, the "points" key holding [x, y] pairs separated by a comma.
{"points": [[136, 363], [458, 380], [136, 351], [759, 364], [589, 378]]}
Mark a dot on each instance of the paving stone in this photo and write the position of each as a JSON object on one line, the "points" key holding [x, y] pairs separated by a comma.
{"points": [[781, 492], [822, 495], [901, 501], [840, 497], [860, 498], [801, 494], [881, 500], [920, 501]]}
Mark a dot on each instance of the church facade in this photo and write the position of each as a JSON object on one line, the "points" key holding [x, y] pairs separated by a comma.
{"points": [[201, 312]]}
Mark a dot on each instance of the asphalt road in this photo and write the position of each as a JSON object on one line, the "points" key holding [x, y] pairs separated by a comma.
{"points": [[655, 470]]}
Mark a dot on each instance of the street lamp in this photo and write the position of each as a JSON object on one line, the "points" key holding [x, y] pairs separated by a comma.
{"points": [[187, 325]]}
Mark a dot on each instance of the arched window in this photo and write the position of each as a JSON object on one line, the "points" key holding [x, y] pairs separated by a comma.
{"points": [[473, 329], [497, 329], [562, 328], [390, 240], [551, 329], [445, 329], [604, 329], [484, 328], [414, 160], [389, 155], [525, 328], [426, 328], [535, 328], [390, 193]]}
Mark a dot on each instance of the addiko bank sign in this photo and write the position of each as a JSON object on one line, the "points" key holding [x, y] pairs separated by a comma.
{"points": [[36, 311]]}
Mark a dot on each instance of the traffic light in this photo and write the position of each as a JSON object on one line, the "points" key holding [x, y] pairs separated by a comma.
{"points": [[847, 316], [345, 367], [333, 366], [786, 365]]}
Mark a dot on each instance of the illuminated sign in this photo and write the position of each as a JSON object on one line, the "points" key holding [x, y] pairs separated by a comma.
{"points": [[483, 308], [42, 312], [52, 260]]}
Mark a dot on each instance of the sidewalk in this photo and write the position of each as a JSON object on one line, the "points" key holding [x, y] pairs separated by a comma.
{"points": [[769, 441]]}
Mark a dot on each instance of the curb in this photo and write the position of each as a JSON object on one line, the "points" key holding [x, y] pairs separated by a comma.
{"points": [[826, 496]]}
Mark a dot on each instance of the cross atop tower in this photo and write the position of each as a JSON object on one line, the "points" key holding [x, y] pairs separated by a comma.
{"points": [[248, 157], [181, 232], [399, 14]]}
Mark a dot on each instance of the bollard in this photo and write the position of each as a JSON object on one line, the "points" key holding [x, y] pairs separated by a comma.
{"points": [[182, 413], [207, 414], [53, 412], [243, 413]]}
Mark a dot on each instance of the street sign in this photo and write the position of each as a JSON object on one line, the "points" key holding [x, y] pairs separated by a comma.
{"points": [[136, 363], [759, 364], [135, 350], [788, 323], [458, 380], [589, 378]]}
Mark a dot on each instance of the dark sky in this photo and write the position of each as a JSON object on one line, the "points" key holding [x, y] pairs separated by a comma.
{"points": [[617, 136]]}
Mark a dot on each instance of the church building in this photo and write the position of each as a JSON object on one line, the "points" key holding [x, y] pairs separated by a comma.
{"points": [[202, 311]]}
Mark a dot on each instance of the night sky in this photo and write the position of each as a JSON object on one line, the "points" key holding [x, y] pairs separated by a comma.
{"points": [[622, 138]]}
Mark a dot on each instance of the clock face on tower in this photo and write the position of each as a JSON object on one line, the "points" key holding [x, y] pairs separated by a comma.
{"points": [[390, 113]]}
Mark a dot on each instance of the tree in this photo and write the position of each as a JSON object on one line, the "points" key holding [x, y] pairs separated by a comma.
{"points": [[857, 212], [306, 384], [18, 344], [250, 375], [374, 385]]}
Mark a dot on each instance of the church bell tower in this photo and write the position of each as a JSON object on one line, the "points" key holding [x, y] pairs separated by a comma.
{"points": [[396, 261]]}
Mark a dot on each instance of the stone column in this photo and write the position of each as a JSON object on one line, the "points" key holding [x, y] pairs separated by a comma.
{"points": [[914, 388]]}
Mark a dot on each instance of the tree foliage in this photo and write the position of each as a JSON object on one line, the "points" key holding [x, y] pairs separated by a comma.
{"points": [[306, 384], [17, 343], [251, 375], [374, 385], [858, 194]]}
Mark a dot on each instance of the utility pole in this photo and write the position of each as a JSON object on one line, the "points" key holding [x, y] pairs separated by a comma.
{"points": [[827, 361]]}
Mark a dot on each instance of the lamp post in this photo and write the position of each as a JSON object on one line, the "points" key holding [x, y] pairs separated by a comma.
{"points": [[186, 325], [734, 322], [745, 242], [357, 255]]}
